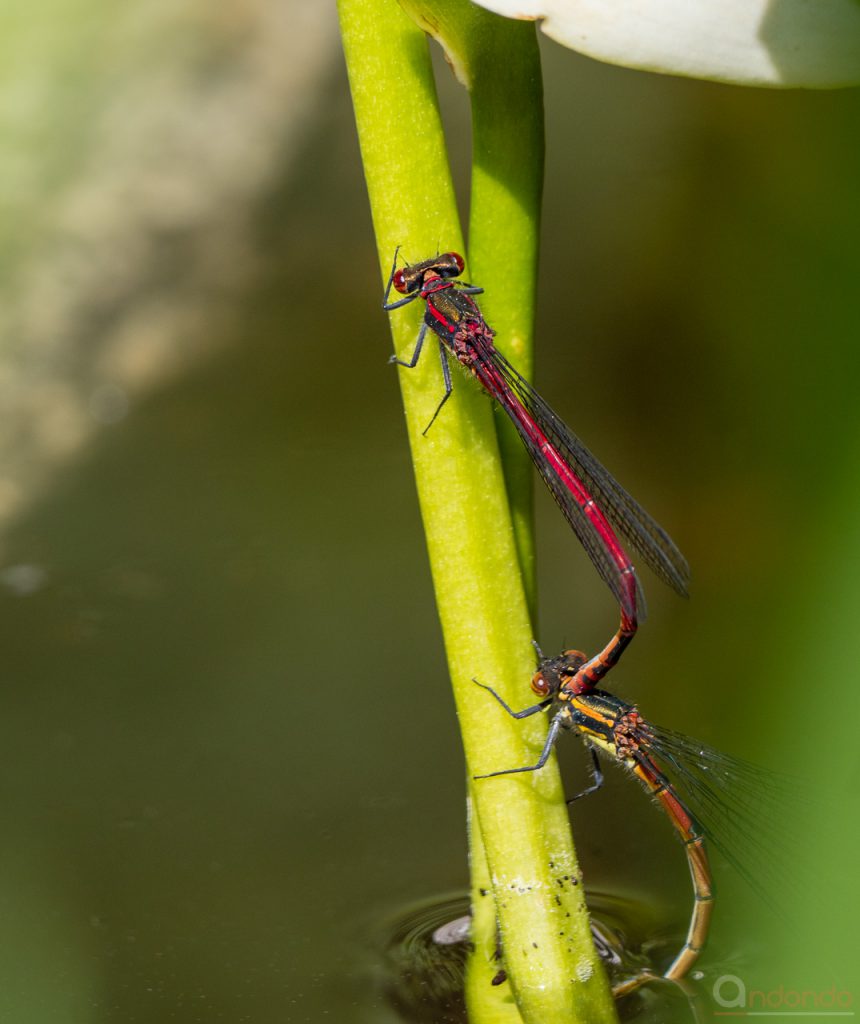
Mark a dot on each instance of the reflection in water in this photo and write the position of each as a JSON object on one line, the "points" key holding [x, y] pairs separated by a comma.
{"points": [[23, 579], [424, 961], [425, 951], [124, 250]]}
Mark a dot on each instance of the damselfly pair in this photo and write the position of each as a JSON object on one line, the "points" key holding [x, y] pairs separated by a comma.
{"points": [[666, 763]]}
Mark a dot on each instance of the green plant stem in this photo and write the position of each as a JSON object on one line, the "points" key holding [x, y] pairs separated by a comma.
{"points": [[498, 61], [553, 969]]}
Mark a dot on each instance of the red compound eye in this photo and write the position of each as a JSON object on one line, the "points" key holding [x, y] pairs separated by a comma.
{"points": [[540, 685], [399, 284]]}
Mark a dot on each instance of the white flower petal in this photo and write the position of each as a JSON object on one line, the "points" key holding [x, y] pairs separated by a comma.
{"points": [[752, 42]]}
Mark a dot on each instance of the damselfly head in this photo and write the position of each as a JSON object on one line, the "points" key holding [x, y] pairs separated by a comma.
{"points": [[554, 673], [412, 277]]}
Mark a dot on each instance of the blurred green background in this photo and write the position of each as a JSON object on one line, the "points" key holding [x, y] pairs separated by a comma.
{"points": [[229, 752]]}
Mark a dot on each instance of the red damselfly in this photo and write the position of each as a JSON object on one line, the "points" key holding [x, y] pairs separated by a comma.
{"points": [[584, 490], [707, 795]]}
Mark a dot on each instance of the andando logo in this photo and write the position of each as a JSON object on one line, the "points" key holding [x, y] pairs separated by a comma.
{"points": [[730, 992]]}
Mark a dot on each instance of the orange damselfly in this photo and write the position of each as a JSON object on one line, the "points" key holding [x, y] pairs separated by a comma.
{"points": [[698, 787]]}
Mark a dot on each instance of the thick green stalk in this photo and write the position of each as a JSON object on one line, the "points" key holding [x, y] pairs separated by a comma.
{"points": [[504, 230], [498, 61], [553, 969]]}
